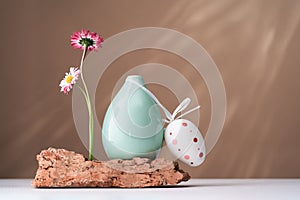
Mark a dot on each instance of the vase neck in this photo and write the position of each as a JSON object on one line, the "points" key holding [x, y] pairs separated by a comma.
{"points": [[136, 78]]}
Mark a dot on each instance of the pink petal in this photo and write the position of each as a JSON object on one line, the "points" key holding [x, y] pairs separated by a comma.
{"points": [[77, 36]]}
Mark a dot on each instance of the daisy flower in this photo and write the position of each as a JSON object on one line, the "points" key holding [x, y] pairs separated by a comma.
{"points": [[86, 38], [69, 80], [86, 41]]}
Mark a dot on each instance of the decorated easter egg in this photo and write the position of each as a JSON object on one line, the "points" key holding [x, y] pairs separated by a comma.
{"points": [[185, 142]]}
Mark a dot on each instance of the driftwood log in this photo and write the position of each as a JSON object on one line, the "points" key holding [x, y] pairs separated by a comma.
{"points": [[63, 168]]}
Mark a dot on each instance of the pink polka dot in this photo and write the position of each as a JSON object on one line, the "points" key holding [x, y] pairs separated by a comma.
{"points": [[195, 139], [174, 141], [184, 124], [201, 155], [186, 157], [191, 131]]}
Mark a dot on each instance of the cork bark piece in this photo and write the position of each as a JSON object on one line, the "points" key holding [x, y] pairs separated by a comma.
{"points": [[63, 168]]}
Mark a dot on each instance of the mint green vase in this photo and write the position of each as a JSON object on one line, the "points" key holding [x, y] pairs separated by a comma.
{"points": [[132, 126]]}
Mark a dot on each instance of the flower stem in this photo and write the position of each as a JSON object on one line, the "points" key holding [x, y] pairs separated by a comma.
{"points": [[83, 92], [88, 102]]}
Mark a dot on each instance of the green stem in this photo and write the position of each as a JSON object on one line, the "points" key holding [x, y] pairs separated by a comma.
{"points": [[88, 102], [83, 92]]}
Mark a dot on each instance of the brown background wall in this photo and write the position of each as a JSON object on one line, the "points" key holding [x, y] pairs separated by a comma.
{"points": [[255, 44]]}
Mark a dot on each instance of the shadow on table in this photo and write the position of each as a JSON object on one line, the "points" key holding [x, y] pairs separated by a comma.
{"points": [[157, 187]]}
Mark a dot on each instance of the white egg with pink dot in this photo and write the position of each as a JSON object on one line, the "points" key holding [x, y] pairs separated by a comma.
{"points": [[185, 142], [182, 137]]}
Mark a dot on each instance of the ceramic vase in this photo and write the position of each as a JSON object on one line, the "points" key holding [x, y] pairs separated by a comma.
{"points": [[132, 125]]}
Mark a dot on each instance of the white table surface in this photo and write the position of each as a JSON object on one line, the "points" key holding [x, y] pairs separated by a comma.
{"points": [[287, 189]]}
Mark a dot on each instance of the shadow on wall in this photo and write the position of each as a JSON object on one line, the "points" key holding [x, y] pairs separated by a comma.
{"points": [[254, 43]]}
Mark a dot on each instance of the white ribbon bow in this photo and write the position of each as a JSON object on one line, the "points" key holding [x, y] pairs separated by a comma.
{"points": [[170, 117]]}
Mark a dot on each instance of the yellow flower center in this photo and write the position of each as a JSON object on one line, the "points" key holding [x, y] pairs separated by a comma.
{"points": [[69, 79]]}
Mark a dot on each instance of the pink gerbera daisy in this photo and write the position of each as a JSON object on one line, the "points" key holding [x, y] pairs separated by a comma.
{"points": [[69, 80], [86, 38]]}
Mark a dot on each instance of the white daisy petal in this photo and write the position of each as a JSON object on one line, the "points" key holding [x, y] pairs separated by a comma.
{"points": [[69, 80]]}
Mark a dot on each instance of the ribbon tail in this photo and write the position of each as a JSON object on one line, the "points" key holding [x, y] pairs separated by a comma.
{"points": [[188, 112], [181, 107]]}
